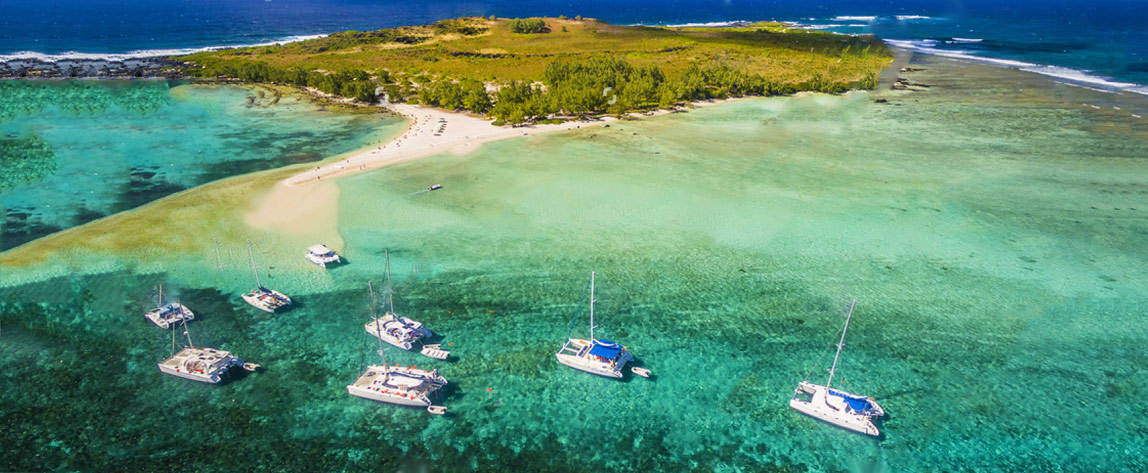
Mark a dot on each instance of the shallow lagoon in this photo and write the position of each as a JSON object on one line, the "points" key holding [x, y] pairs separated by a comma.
{"points": [[992, 228], [120, 144]]}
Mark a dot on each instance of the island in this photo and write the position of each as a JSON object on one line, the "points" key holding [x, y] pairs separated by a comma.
{"points": [[545, 69]]}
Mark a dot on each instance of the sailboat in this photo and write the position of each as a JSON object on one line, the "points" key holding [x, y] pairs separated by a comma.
{"points": [[399, 331], [206, 365], [262, 298], [837, 407], [402, 385], [600, 357], [165, 315]]}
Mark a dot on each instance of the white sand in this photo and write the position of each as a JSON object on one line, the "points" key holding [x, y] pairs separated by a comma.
{"points": [[460, 134], [304, 207]]}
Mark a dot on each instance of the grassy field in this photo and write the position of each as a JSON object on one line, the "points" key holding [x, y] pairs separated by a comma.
{"points": [[497, 54]]}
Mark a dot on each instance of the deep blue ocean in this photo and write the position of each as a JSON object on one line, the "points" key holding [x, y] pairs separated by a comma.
{"points": [[1103, 44]]}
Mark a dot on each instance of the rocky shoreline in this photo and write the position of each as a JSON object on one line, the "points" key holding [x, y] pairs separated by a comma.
{"points": [[159, 67]]}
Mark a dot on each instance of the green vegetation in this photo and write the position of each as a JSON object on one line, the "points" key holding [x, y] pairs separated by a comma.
{"points": [[505, 68], [527, 26], [25, 160]]}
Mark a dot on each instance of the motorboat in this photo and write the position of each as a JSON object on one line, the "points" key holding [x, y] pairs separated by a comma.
{"points": [[322, 256]]}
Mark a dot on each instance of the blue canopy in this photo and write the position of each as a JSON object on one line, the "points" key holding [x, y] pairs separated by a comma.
{"points": [[857, 403], [605, 349]]}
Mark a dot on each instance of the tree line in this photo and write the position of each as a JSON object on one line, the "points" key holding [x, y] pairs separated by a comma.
{"points": [[569, 87]]}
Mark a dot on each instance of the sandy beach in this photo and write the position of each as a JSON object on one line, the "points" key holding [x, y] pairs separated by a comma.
{"points": [[292, 205]]}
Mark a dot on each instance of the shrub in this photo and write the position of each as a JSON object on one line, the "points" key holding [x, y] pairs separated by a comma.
{"points": [[527, 25]]}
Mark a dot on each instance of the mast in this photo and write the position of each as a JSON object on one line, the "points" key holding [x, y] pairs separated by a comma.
{"points": [[159, 303], [378, 330], [186, 332], [591, 306], [172, 341], [253, 268], [841, 343], [390, 291]]}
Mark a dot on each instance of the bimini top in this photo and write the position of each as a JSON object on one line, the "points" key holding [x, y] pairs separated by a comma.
{"points": [[605, 349], [859, 404], [319, 249]]}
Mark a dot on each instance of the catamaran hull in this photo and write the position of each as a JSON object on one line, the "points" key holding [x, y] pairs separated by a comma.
{"points": [[201, 377], [165, 323], [819, 408], [366, 393], [576, 363], [322, 262], [258, 304]]}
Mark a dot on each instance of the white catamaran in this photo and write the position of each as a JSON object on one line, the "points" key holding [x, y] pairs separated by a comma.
{"points": [[321, 255], [600, 357], [399, 331], [834, 406], [405, 386], [262, 298], [166, 314], [206, 365]]}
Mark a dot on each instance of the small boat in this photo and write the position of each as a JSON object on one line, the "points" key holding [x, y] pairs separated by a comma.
{"points": [[837, 407], [252, 367], [206, 365], [399, 331], [321, 256], [262, 298], [435, 351], [402, 385], [435, 187], [166, 314], [596, 356], [437, 410], [645, 373]]}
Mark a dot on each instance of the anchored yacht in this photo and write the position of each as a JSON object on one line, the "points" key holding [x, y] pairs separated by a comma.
{"points": [[402, 385], [322, 256], [207, 365], [840, 408], [262, 298], [597, 356], [402, 332], [166, 314]]}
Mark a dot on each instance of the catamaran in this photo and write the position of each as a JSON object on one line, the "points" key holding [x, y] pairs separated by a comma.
{"points": [[165, 315], [262, 298], [402, 385], [600, 357], [846, 410], [399, 331], [321, 255], [206, 365]]}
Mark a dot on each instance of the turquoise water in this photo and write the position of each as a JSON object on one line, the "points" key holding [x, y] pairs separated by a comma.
{"points": [[991, 228], [120, 144]]}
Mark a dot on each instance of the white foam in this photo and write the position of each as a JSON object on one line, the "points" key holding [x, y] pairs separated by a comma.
{"points": [[712, 24], [913, 17], [967, 40], [140, 54], [852, 18], [1069, 75]]}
